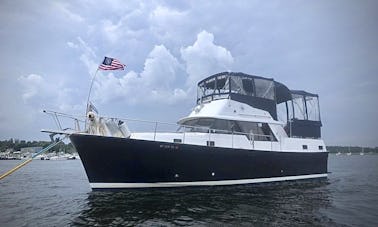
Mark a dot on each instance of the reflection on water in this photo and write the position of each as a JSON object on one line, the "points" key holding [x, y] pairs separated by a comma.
{"points": [[287, 203]]}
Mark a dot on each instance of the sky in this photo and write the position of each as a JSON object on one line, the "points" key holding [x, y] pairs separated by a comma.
{"points": [[50, 50]]}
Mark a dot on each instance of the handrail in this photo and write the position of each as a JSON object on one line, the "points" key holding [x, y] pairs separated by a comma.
{"points": [[65, 115], [183, 129], [55, 115], [157, 123]]}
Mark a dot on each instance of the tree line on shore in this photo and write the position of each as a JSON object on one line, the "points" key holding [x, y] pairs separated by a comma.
{"points": [[351, 149], [16, 145]]}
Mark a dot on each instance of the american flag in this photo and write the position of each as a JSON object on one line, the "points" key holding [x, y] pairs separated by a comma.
{"points": [[111, 64]]}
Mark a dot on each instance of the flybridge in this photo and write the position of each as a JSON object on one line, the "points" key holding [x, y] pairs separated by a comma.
{"points": [[299, 109]]}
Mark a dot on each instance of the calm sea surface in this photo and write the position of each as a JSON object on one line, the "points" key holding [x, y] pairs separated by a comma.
{"points": [[57, 193]]}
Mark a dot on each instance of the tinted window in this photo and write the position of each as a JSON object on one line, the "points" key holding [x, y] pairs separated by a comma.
{"points": [[248, 86]]}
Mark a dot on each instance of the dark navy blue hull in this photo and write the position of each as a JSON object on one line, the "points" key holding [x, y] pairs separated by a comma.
{"points": [[119, 160]]}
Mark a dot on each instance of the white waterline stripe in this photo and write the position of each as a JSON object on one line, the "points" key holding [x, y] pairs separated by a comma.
{"points": [[203, 183]]}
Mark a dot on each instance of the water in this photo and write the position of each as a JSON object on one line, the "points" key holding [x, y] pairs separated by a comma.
{"points": [[56, 193]]}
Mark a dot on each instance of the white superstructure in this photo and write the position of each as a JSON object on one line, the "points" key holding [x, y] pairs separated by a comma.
{"points": [[257, 129]]}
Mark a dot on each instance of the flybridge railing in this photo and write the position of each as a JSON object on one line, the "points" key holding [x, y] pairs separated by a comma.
{"points": [[157, 127]]}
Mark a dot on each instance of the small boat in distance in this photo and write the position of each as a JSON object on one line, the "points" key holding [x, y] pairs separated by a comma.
{"points": [[244, 129]]}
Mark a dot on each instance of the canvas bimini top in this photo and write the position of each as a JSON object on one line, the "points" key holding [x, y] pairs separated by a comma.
{"points": [[259, 92], [302, 108]]}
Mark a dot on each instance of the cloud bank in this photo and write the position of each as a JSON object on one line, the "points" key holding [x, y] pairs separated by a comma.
{"points": [[162, 72]]}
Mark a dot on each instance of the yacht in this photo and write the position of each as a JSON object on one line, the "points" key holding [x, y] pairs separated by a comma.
{"points": [[243, 129]]}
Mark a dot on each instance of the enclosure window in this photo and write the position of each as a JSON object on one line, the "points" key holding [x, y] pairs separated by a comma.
{"points": [[264, 88], [248, 86]]}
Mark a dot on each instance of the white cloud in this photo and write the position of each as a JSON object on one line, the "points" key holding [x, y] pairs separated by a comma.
{"points": [[166, 24], [163, 19], [111, 30], [204, 58], [128, 25], [33, 84], [63, 8], [154, 84], [164, 15], [38, 94], [72, 45], [88, 56], [160, 68]]}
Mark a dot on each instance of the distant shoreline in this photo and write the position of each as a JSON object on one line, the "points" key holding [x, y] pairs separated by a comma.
{"points": [[352, 149]]}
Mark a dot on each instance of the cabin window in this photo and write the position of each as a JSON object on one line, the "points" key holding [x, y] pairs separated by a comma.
{"points": [[320, 147], [177, 140], [304, 147], [210, 143]]}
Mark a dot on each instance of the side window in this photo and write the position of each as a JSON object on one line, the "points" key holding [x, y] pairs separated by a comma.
{"points": [[234, 126], [221, 125], [205, 122], [260, 131], [191, 122], [226, 126]]}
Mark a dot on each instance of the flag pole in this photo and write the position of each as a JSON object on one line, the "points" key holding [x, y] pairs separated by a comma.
{"points": [[89, 95], [90, 89]]}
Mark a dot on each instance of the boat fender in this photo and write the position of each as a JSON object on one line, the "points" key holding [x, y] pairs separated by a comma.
{"points": [[124, 130]]}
